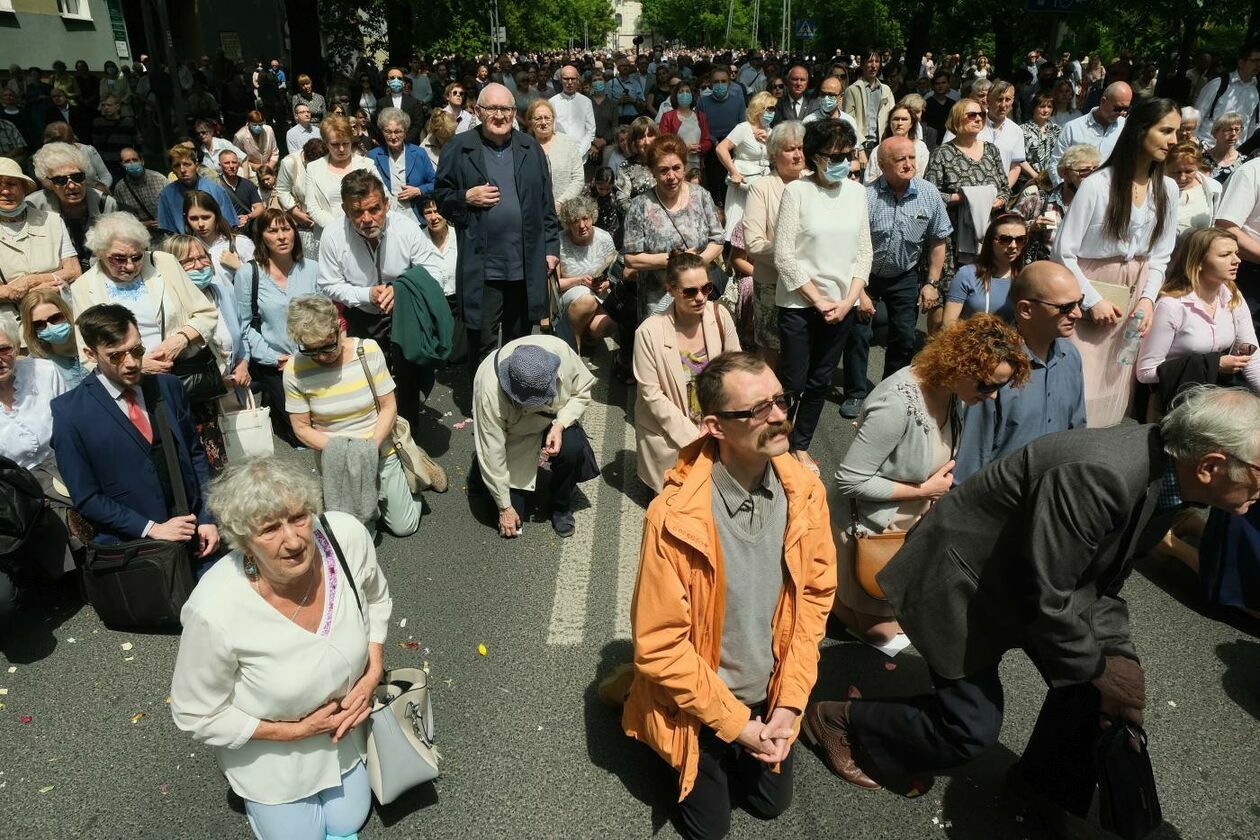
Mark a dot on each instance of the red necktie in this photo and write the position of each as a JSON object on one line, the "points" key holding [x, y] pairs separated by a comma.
{"points": [[137, 415]]}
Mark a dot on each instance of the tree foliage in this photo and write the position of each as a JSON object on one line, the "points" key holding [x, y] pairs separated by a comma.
{"points": [[463, 26]]}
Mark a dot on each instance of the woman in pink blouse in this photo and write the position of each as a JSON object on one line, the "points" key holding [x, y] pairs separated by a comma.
{"points": [[1201, 332]]}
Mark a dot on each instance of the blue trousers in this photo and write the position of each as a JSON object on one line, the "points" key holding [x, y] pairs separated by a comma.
{"points": [[900, 294], [334, 812]]}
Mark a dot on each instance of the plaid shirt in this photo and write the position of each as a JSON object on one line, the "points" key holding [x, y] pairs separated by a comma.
{"points": [[901, 227], [1169, 492], [126, 192], [10, 138]]}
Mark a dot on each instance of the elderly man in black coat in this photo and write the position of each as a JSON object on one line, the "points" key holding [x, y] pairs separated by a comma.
{"points": [[1031, 553], [494, 187]]}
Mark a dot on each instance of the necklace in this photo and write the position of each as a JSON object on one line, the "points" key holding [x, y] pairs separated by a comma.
{"points": [[301, 606]]}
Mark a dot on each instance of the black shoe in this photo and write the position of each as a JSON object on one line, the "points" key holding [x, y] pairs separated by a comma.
{"points": [[851, 408], [562, 522]]}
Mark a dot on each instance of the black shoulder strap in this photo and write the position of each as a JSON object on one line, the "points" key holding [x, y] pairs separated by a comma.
{"points": [[169, 453], [139, 203], [255, 319], [1220, 91], [341, 559]]}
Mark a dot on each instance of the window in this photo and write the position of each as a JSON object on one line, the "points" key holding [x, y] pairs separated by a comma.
{"points": [[75, 9]]}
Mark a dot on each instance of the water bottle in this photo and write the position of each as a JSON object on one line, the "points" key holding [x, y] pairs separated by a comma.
{"points": [[1132, 339]]}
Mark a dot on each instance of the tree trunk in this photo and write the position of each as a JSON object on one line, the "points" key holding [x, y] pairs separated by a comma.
{"points": [[398, 20], [920, 38]]}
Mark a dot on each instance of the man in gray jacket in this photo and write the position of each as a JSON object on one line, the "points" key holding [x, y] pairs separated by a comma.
{"points": [[1031, 553]]}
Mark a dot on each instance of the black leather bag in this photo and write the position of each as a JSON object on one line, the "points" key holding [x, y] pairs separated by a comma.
{"points": [[1128, 801], [145, 582], [200, 376]]}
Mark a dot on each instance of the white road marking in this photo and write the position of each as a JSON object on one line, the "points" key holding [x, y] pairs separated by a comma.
{"points": [[630, 520]]}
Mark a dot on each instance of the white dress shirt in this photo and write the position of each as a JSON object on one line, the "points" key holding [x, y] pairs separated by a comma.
{"points": [[349, 268], [450, 260], [575, 116], [1240, 97], [1241, 202]]}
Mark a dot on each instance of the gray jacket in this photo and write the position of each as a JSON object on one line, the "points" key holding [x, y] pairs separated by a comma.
{"points": [[1032, 552]]}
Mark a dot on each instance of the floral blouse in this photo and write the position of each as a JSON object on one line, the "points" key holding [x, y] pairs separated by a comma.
{"points": [[651, 229], [949, 170], [1039, 143]]}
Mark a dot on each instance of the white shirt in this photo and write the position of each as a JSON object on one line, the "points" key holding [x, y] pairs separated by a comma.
{"points": [[1241, 97], [1241, 202], [244, 250], [297, 136], [242, 662], [26, 430], [1084, 129], [575, 116], [822, 235], [450, 259], [840, 114], [348, 268]]}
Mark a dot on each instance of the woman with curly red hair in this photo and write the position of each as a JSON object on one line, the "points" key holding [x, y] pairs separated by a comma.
{"points": [[903, 457]]}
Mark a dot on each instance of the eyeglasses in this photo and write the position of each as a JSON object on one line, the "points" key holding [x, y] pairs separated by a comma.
{"points": [[116, 358], [497, 110], [189, 263], [778, 87], [62, 180], [837, 157], [1084, 171], [1120, 109], [760, 412], [457, 93], [973, 115], [1008, 239], [54, 319], [322, 350], [1062, 308], [704, 291], [122, 260], [983, 387]]}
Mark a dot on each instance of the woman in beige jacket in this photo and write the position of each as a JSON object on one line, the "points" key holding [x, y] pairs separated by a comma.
{"points": [[670, 350]]}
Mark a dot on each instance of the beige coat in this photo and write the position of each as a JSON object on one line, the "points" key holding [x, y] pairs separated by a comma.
{"points": [[182, 304], [761, 211], [855, 106], [661, 424], [34, 249], [509, 437]]}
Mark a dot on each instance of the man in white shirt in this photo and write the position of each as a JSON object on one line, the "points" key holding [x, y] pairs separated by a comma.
{"points": [[1100, 127], [1003, 132], [1238, 93], [575, 116], [303, 130], [1239, 213], [360, 258]]}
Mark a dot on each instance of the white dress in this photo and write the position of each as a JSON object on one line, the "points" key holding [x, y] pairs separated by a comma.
{"points": [[749, 157]]}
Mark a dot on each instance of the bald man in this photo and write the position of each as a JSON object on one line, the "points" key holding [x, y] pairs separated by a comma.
{"points": [[1099, 128], [575, 115], [1047, 303]]}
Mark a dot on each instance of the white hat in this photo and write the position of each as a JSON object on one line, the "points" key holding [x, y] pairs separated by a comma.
{"points": [[9, 169]]}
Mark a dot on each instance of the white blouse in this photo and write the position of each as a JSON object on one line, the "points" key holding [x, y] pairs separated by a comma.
{"points": [[450, 260], [823, 235], [241, 662], [749, 154], [26, 430], [1082, 233]]}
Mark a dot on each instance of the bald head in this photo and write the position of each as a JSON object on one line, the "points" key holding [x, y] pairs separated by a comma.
{"points": [[1040, 293], [897, 161], [495, 94], [1115, 102], [1042, 279]]}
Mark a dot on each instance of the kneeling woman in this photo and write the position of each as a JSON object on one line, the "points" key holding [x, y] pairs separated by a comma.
{"points": [[283, 643]]}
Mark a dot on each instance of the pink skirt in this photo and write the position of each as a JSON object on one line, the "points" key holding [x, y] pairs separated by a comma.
{"points": [[1108, 384]]}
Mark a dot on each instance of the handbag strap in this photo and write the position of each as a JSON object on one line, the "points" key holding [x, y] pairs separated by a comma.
{"points": [[147, 214], [255, 319], [681, 238], [173, 472], [367, 373], [341, 559]]}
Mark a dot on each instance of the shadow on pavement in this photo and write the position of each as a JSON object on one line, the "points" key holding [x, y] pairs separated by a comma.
{"points": [[1242, 673], [1180, 583], [431, 433], [424, 796], [644, 775], [41, 611], [620, 474]]}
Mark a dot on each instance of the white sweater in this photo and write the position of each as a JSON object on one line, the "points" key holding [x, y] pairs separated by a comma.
{"points": [[241, 662], [822, 235]]}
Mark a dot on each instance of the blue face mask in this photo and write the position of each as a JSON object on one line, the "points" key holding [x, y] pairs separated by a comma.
{"points": [[767, 118], [14, 213], [134, 168], [396, 85], [55, 333], [597, 87], [827, 104], [720, 89], [837, 172], [256, 129], [201, 277], [684, 99]]}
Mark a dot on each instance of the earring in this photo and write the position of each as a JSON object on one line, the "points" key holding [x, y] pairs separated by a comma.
{"points": [[251, 567]]}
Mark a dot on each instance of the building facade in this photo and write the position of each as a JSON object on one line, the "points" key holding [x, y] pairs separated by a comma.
{"points": [[35, 33]]}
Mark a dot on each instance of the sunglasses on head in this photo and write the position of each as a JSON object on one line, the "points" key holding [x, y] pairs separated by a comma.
{"points": [[1007, 239], [761, 411], [54, 319], [704, 291], [983, 387], [1062, 308], [116, 358], [62, 180]]}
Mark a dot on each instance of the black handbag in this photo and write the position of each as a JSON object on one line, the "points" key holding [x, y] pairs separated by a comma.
{"points": [[1128, 801], [144, 582]]}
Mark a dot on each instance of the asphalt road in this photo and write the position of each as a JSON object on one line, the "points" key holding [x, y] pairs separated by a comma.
{"points": [[529, 750]]}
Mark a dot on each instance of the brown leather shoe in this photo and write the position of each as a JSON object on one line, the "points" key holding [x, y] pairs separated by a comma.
{"points": [[826, 725]]}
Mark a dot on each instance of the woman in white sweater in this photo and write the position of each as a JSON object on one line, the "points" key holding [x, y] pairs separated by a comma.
{"points": [[567, 176], [283, 644], [822, 251], [1117, 238]]}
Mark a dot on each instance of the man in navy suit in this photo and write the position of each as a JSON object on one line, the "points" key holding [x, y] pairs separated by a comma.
{"points": [[109, 448]]}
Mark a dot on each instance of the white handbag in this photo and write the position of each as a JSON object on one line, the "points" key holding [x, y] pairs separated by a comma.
{"points": [[400, 749], [247, 431]]}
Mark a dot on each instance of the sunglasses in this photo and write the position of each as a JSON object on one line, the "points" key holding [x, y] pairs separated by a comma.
{"points": [[1008, 239], [1062, 308], [691, 291], [54, 319], [973, 115], [1120, 109], [116, 358], [62, 180], [983, 387], [322, 350], [121, 260], [785, 402], [837, 157]]}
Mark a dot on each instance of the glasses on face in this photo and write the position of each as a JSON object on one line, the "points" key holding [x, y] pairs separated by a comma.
{"points": [[760, 412], [983, 387], [1120, 109], [116, 358], [458, 93], [779, 86], [1084, 171], [837, 157], [704, 291], [53, 319], [1011, 239], [393, 132], [497, 110], [973, 115], [62, 180], [1062, 308], [322, 350], [124, 260]]}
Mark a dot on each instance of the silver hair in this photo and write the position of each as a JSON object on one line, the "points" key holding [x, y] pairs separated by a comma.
{"points": [[258, 491], [981, 84], [577, 208], [223, 152], [1227, 119], [56, 155], [119, 226], [786, 133], [312, 318], [1077, 154], [1207, 419], [393, 115], [10, 329], [1189, 112]]}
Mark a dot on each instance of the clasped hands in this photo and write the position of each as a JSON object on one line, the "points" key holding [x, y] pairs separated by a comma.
{"points": [[770, 741]]}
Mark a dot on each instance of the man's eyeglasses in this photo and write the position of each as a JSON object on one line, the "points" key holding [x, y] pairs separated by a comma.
{"points": [[62, 180], [497, 110], [983, 387], [1120, 109], [691, 291], [116, 358], [53, 319], [322, 350], [123, 260], [760, 412], [1062, 308], [1009, 239]]}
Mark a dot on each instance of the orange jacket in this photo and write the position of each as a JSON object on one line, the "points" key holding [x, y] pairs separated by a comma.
{"points": [[680, 602]]}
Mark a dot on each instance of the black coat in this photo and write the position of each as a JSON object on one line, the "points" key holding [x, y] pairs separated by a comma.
{"points": [[782, 112], [418, 112], [460, 169]]}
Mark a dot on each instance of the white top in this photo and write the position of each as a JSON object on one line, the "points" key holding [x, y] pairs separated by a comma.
{"points": [[323, 190], [822, 235], [450, 259], [26, 431], [567, 175], [1241, 202], [1009, 140], [1182, 326], [1194, 207], [241, 662], [840, 114], [749, 154], [244, 250], [135, 296], [1084, 129], [575, 116], [1064, 117], [1082, 234], [349, 268], [297, 136], [1241, 97], [218, 145]]}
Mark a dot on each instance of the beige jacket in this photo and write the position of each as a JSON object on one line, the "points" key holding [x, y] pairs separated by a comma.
{"points": [[661, 424], [855, 106], [761, 211], [181, 303], [35, 248], [509, 437]]}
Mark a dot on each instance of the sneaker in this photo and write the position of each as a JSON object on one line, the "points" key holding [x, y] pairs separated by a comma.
{"points": [[851, 408], [562, 522]]}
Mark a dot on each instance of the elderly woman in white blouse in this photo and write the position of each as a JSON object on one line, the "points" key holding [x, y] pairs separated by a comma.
{"points": [[567, 177], [283, 644]]}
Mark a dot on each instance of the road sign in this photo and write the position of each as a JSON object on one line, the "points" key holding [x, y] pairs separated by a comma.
{"points": [[805, 29], [502, 34]]}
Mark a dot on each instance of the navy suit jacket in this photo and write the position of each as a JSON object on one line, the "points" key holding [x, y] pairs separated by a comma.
{"points": [[105, 462], [419, 172]]}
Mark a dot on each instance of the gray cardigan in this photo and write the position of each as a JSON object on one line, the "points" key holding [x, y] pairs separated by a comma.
{"points": [[893, 444]]}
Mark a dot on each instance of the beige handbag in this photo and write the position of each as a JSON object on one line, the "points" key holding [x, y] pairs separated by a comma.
{"points": [[423, 473]]}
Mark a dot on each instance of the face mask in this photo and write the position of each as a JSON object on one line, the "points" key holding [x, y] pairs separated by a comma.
{"points": [[720, 90], [597, 87], [135, 168], [827, 103], [255, 129], [13, 214], [767, 117], [684, 99], [396, 85], [837, 172], [54, 333], [201, 277]]}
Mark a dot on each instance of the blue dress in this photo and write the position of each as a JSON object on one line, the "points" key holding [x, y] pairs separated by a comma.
{"points": [[967, 289], [1229, 559]]}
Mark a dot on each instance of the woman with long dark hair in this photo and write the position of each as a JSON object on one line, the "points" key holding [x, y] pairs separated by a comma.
{"points": [[985, 285], [1117, 238]]}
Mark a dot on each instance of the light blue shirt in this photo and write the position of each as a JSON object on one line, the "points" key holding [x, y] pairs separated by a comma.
{"points": [[1084, 129], [967, 289], [267, 345]]}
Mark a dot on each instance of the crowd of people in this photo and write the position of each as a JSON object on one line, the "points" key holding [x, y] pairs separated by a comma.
{"points": [[1081, 251]]}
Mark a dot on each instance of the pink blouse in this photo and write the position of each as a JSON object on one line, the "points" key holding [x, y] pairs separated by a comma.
{"points": [[1182, 326]]}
